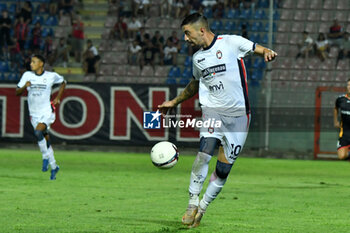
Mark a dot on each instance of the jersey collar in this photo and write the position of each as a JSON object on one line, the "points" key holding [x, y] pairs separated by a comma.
{"points": [[212, 43], [40, 74]]}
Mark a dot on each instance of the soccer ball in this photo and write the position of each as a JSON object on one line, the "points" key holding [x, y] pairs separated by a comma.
{"points": [[164, 154]]}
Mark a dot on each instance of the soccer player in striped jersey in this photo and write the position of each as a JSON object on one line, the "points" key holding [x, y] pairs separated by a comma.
{"points": [[38, 83], [342, 106], [220, 78]]}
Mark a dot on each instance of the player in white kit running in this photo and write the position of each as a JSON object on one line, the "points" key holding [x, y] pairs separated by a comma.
{"points": [[220, 78], [38, 83]]}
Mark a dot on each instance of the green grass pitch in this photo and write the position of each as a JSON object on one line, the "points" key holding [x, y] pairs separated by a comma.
{"points": [[123, 192]]}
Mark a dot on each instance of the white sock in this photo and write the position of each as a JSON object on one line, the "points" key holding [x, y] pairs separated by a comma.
{"points": [[198, 174], [43, 148], [52, 160], [213, 189]]}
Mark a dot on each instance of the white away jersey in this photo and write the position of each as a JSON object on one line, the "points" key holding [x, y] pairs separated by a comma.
{"points": [[222, 76], [39, 91]]}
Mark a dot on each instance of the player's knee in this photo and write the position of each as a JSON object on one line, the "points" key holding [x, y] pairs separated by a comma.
{"points": [[222, 169], [342, 156], [39, 134], [208, 145]]}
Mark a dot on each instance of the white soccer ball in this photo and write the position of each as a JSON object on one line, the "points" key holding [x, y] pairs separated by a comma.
{"points": [[164, 154]]}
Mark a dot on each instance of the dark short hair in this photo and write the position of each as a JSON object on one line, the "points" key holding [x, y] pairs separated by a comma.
{"points": [[194, 18], [348, 80], [40, 57]]}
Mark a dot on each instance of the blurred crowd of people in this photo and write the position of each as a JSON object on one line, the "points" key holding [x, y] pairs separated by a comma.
{"points": [[321, 46], [27, 29]]}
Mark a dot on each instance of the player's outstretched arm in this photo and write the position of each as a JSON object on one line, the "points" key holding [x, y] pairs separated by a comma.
{"points": [[268, 54], [57, 100], [20, 90], [190, 90], [335, 118]]}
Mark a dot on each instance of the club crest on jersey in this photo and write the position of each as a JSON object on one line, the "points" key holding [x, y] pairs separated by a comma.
{"points": [[219, 54]]}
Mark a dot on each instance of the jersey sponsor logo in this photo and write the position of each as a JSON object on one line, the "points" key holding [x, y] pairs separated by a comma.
{"points": [[38, 86], [200, 60], [216, 87], [219, 54], [211, 71]]}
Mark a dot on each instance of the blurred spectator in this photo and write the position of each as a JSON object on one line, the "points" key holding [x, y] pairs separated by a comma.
{"points": [[148, 54], [120, 30], [134, 26], [21, 32], [26, 12], [141, 35], [246, 4], [134, 53], [90, 48], [196, 5], [244, 31], [335, 34], [170, 53], [305, 46], [36, 38], [218, 10], [48, 46], [174, 39], [53, 7], [65, 7], [141, 7], [208, 3], [60, 53], [344, 51], [177, 7], [5, 29], [77, 37], [232, 4], [41, 8], [15, 54], [158, 43], [113, 7], [165, 8], [89, 64], [93, 49], [322, 46]]}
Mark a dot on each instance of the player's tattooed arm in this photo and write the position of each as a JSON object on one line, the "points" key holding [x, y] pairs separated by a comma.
{"points": [[190, 90], [20, 90]]}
